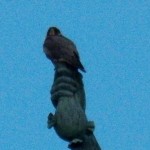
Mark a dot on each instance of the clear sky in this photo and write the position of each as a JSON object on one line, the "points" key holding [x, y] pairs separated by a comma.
{"points": [[113, 39]]}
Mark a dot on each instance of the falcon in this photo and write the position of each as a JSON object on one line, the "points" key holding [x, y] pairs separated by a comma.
{"points": [[58, 48]]}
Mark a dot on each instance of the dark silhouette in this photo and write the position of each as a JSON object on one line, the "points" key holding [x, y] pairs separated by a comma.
{"points": [[68, 95]]}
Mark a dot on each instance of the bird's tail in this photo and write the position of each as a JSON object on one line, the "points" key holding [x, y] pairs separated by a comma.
{"points": [[81, 67]]}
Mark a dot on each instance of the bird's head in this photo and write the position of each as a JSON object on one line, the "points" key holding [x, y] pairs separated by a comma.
{"points": [[53, 31]]}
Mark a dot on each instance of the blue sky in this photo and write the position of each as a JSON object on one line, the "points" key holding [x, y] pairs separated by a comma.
{"points": [[113, 39]]}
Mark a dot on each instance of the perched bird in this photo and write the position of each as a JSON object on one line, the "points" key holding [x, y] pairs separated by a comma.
{"points": [[60, 49]]}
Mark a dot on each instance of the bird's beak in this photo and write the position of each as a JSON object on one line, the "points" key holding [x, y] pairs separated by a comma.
{"points": [[52, 32]]}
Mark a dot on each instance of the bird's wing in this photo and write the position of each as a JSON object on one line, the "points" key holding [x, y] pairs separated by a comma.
{"points": [[67, 45]]}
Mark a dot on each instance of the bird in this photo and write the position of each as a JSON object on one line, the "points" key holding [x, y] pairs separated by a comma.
{"points": [[59, 48]]}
